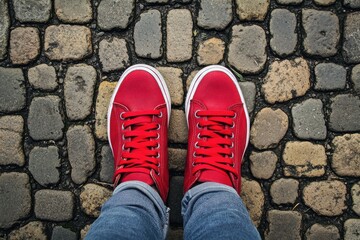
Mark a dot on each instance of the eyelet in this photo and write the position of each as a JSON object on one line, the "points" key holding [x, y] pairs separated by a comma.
{"points": [[157, 136], [232, 135], [198, 136], [123, 137], [122, 126], [158, 155], [121, 116], [193, 164], [194, 154], [233, 165], [232, 155], [123, 147], [233, 125], [198, 125], [158, 165], [158, 173], [234, 116], [157, 146], [196, 114], [158, 127], [196, 145], [160, 115], [232, 145]]}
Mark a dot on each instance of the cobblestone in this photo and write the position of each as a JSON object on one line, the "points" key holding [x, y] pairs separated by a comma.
{"points": [[352, 227], [60, 233], [268, 128], [278, 219], [245, 54], [54, 205], [179, 35], [352, 3], [345, 109], [81, 147], [322, 32], [32, 10], [107, 164], [11, 149], [286, 80], [12, 89], [67, 42], [253, 197], [252, 9], [249, 91], [322, 232], [79, 90], [211, 51], [355, 77], [308, 120], [24, 45], [32, 230], [15, 198], [324, 2], [44, 163], [102, 103], [326, 197], [113, 54], [70, 11], [84, 231], [115, 14], [284, 191], [330, 76], [43, 77], [172, 77], [190, 78], [214, 14], [346, 156], [351, 44], [148, 35], [4, 28], [177, 159], [178, 127], [304, 159], [92, 197], [283, 31], [355, 196], [45, 121], [289, 2], [175, 196], [263, 164]]}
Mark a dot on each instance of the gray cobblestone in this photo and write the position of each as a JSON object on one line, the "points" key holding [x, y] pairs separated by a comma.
{"points": [[330, 76], [45, 121], [11, 149], [79, 90], [322, 32], [12, 89], [115, 14], [177, 159], [249, 91], [289, 2], [81, 150], [107, 164], [278, 219], [44, 163], [352, 3], [113, 54], [245, 54], [60, 233], [4, 28], [157, 1], [352, 227], [54, 205], [355, 196], [67, 42], [263, 164], [43, 77], [308, 119], [284, 191], [324, 2], [24, 45], [73, 11], [179, 35], [355, 77], [345, 109], [283, 31], [15, 198], [148, 35], [32, 10], [174, 199], [214, 14], [351, 44], [322, 232]]}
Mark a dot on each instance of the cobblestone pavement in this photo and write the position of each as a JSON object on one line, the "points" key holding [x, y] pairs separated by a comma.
{"points": [[297, 62]]}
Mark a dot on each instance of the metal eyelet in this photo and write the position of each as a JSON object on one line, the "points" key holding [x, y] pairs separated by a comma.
{"points": [[194, 154], [158, 173], [158, 165], [157, 146], [232, 135], [232, 145], [232, 155], [198, 125], [121, 116], [123, 137], [123, 147], [234, 116], [122, 126], [196, 145], [160, 115], [158, 155], [158, 126], [157, 136], [198, 136], [196, 114], [233, 125]]}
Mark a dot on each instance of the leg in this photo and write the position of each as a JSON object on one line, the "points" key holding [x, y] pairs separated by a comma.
{"points": [[215, 211], [135, 211]]}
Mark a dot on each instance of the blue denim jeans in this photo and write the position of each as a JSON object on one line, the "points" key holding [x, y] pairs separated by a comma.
{"points": [[210, 211]]}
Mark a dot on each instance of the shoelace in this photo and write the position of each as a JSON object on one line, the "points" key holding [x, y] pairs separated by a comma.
{"points": [[214, 148], [140, 154]]}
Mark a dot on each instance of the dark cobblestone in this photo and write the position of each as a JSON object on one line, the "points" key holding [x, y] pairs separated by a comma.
{"points": [[12, 90], [330, 76], [284, 191], [352, 3], [114, 14], [345, 110], [4, 27], [278, 219], [322, 232], [289, 2], [60, 233], [355, 77], [32, 10], [32, 230], [43, 77], [249, 91], [175, 196], [351, 45], [263, 164], [214, 14], [113, 54], [107, 165]]}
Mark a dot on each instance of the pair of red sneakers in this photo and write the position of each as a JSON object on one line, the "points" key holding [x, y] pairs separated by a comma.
{"points": [[218, 124]]}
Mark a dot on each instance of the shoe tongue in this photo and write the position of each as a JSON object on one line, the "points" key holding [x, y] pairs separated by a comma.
{"points": [[143, 177], [215, 176]]}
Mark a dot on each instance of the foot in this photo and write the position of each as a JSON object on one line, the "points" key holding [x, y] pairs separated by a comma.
{"points": [[138, 119], [218, 125]]}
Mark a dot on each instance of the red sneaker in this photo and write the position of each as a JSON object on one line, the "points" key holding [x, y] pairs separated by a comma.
{"points": [[138, 118], [218, 125]]}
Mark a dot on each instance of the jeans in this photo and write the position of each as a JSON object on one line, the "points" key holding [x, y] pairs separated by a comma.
{"points": [[210, 211]]}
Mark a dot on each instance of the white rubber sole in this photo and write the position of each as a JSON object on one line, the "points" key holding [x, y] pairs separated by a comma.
{"points": [[160, 81], [195, 83]]}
